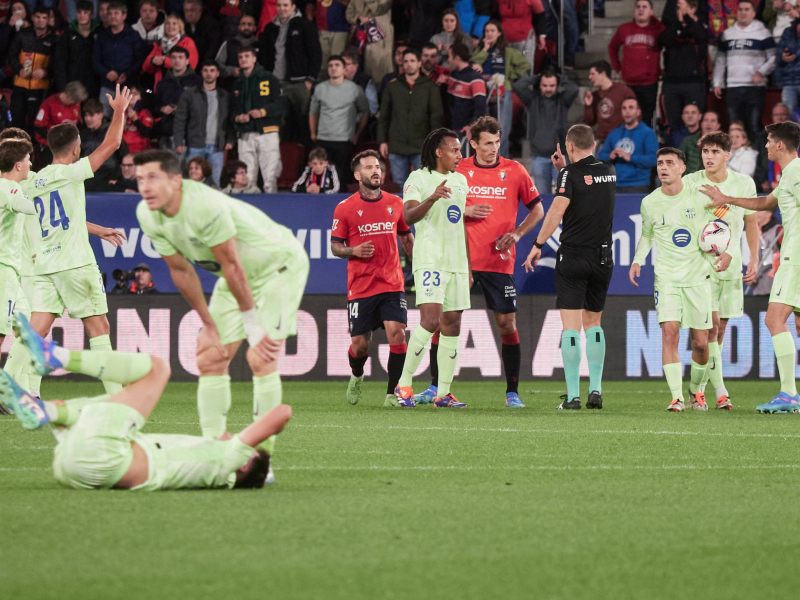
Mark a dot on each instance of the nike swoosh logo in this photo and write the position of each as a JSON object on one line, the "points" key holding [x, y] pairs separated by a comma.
{"points": [[662, 219], [454, 354], [779, 291], [420, 352], [713, 363], [706, 318], [280, 319]]}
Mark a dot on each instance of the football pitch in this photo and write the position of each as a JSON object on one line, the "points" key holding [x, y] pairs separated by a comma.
{"points": [[484, 503]]}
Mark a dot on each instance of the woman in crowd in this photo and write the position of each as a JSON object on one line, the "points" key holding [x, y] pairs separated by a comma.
{"points": [[200, 170], [743, 158], [451, 32], [157, 62]]}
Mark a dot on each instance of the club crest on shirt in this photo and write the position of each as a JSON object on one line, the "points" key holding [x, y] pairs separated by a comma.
{"points": [[587, 179], [690, 213], [390, 209], [503, 175]]}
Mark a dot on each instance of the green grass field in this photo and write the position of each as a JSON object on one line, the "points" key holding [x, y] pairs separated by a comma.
{"points": [[628, 502]]}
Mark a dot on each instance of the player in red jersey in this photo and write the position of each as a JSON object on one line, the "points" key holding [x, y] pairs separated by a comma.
{"points": [[365, 230], [496, 187]]}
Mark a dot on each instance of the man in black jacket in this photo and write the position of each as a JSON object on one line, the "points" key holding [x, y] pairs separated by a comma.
{"points": [[228, 55], [202, 121], [168, 93], [685, 42], [202, 28], [289, 47], [73, 53]]}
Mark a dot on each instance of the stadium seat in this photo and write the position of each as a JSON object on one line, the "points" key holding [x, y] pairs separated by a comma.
{"points": [[293, 157]]}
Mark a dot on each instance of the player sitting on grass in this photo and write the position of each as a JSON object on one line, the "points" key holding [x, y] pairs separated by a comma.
{"points": [[435, 198], [727, 301], [682, 289], [102, 445], [783, 140]]}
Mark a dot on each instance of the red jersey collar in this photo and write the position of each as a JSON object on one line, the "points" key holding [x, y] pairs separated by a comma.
{"points": [[378, 199], [475, 162]]}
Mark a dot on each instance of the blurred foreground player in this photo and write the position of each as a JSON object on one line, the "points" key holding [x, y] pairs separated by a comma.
{"points": [[435, 199], [496, 187], [365, 229], [100, 444], [262, 271], [585, 202]]}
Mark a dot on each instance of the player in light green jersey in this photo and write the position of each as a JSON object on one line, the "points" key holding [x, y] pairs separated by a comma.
{"points": [[100, 444], [262, 271], [673, 217], [783, 140], [66, 272], [434, 199], [728, 292]]}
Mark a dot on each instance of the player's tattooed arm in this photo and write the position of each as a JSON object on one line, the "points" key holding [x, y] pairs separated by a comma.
{"points": [[408, 243], [719, 199], [364, 250]]}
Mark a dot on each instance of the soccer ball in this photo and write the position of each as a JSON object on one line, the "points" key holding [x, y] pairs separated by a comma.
{"points": [[715, 237]]}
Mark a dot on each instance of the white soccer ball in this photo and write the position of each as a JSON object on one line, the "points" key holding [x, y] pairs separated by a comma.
{"points": [[715, 237]]}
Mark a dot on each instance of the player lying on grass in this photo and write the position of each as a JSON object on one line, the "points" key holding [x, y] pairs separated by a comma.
{"points": [[783, 140], [673, 217], [100, 444]]}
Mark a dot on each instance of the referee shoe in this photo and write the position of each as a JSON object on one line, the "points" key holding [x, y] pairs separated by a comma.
{"points": [[574, 404], [595, 400]]}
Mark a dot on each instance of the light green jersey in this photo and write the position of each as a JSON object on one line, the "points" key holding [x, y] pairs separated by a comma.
{"points": [[30, 233], [439, 240], [735, 185], [60, 200], [788, 196], [12, 199], [207, 218], [675, 223]]}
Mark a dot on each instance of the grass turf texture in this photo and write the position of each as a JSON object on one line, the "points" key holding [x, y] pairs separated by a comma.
{"points": [[487, 502]]}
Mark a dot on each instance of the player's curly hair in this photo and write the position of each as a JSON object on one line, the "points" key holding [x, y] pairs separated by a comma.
{"points": [[431, 143], [720, 139]]}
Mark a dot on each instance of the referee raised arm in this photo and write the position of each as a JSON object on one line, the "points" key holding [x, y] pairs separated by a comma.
{"points": [[584, 204]]}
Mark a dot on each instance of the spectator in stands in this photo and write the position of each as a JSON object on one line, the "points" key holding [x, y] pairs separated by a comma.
{"points": [[641, 56], [18, 17], [289, 48], [407, 118], [501, 65], [332, 116], [102, 13], [233, 10], [73, 53], [139, 123], [158, 61], [331, 19], [199, 169], [778, 15], [30, 57], [240, 181], [548, 108], [142, 280], [691, 124], [257, 116], [570, 29], [92, 135], [604, 106], [430, 66], [685, 42], [709, 124], [745, 58], [56, 22], [150, 25], [523, 21], [127, 183], [632, 148], [451, 32], [202, 121], [743, 158], [427, 15], [319, 177], [118, 52], [169, 91], [357, 76], [228, 55], [399, 51], [375, 17], [787, 72], [466, 91], [63, 107], [764, 168], [204, 30]]}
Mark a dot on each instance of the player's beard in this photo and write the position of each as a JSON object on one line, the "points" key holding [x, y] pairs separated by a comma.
{"points": [[368, 184]]}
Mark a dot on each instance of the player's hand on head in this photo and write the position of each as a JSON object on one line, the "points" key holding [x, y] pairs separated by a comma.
{"points": [[635, 271], [268, 349], [723, 262], [478, 211], [364, 250]]}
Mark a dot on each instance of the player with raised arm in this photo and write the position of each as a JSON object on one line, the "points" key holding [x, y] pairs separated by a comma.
{"points": [[728, 291], [673, 216], [100, 444], [497, 185], [783, 140], [262, 271], [435, 197], [365, 230]]}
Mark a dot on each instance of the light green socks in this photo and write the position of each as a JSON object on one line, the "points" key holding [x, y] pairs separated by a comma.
{"points": [[447, 358], [18, 363], [416, 349], [571, 356], [117, 367], [714, 370], [213, 403], [596, 357], [674, 375], [68, 415], [785, 354], [696, 374], [103, 343], [267, 394]]}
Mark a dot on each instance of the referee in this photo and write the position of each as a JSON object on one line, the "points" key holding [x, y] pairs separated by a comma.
{"points": [[585, 203]]}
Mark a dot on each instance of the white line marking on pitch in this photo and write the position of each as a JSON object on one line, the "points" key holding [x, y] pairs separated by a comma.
{"points": [[537, 468]]}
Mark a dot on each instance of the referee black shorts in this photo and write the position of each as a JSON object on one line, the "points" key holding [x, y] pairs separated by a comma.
{"points": [[581, 281]]}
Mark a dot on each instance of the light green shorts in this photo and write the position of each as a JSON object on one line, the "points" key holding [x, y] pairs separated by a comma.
{"points": [[277, 299], [96, 452], [9, 293], [26, 285], [690, 306], [727, 297], [451, 290], [79, 290], [786, 286]]}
